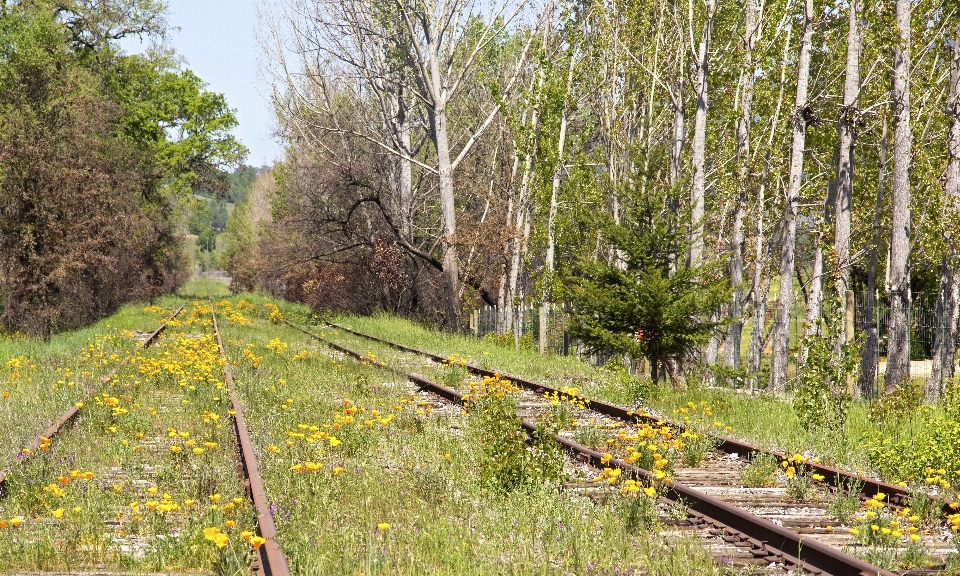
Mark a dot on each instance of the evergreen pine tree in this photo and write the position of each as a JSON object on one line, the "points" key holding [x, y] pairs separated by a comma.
{"points": [[631, 302]]}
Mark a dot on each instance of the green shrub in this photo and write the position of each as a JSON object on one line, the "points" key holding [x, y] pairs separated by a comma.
{"points": [[509, 461], [846, 502]]}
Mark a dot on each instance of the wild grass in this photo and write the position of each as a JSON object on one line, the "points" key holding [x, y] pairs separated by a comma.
{"points": [[406, 497], [846, 503], [202, 287], [760, 472], [552, 369]]}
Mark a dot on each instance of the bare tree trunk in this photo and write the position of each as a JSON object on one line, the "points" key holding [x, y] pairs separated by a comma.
{"points": [[699, 146], [679, 131], [676, 149], [505, 301], [781, 329], [898, 343], [520, 243], [397, 129], [731, 347], [518, 323], [679, 121], [868, 358], [652, 98], [761, 282], [944, 349], [522, 222], [406, 188], [815, 294], [945, 342], [814, 286], [845, 128], [448, 211], [552, 213]]}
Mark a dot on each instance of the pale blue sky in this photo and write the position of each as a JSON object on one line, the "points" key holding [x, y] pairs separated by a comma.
{"points": [[218, 40]]}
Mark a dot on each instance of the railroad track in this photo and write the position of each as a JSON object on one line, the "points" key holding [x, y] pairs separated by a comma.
{"points": [[762, 521], [834, 477], [68, 416], [270, 558], [152, 436]]}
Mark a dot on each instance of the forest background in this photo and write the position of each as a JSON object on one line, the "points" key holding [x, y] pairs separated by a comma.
{"points": [[758, 192], [102, 155], [761, 192]]}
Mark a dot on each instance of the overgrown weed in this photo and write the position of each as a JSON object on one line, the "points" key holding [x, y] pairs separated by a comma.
{"points": [[760, 472], [846, 500]]}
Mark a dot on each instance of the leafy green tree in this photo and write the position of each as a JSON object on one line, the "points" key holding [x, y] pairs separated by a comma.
{"points": [[218, 216], [199, 218], [238, 254], [80, 232], [92, 143], [169, 112], [631, 303], [207, 240]]}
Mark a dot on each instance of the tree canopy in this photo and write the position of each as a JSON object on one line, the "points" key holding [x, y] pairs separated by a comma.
{"points": [[95, 150]]}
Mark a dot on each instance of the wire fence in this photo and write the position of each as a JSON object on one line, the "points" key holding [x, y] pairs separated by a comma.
{"points": [[526, 320], [924, 323], [526, 331]]}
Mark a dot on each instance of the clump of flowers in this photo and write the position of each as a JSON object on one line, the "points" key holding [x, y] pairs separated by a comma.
{"points": [[371, 359], [652, 447], [799, 477], [455, 369], [278, 346], [509, 462], [954, 521], [698, 437], [895, 533], [304, 355], [350, 430], [253, 358], [233, 315], [18, 369], [276, 316], [638, 504], [562, 405], [213, 534]]}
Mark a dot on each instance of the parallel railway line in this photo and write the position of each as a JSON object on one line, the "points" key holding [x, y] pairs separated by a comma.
{"points": [[271, 561], [760, 521], [71, 413], [834, 477]]}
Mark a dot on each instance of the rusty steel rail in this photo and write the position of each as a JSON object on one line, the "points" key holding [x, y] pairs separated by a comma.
{"points": [[271, 560], [72, 412], [766, 539], [897, 495]]}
